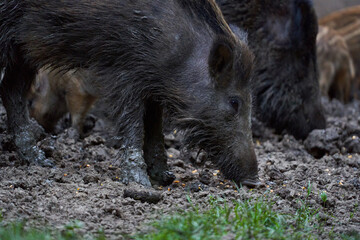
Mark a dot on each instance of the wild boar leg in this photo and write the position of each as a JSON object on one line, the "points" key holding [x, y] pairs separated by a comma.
{"points": [[154, 150], [130, 135], [13, 89]]}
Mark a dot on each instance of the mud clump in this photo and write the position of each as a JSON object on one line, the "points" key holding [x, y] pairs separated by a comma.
{"points": [[333, 140], [321, 142], [143, 196]]}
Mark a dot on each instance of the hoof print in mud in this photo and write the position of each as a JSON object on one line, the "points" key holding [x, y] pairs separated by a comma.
{"points": [[143, 196]]}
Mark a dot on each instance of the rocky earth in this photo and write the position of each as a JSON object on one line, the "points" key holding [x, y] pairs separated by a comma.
{"points": [[85, 185]]}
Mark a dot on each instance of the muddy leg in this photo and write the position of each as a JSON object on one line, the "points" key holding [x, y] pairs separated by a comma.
{"points": [[13, 89], [340, 89], [154, 150], [326, 78], [347, 86], [130, 136]]}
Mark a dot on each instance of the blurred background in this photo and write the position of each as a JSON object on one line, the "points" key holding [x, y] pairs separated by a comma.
{"points": [[324, 7]]}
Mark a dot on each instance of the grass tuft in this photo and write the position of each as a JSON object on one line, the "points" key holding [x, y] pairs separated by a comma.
{"points": [[18, 231], [239, 220]]}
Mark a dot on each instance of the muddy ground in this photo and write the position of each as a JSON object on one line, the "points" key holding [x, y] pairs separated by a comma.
{"points": [[85, 185]]}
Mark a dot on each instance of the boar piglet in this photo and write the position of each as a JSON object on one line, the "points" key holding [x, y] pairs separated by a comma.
{"points": [[282, 35], [346, 24], [336, 67], [146, 55], [54, 93]]}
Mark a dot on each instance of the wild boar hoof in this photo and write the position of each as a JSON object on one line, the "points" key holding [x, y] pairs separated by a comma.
{"points": [[252, 183], [36, 156], [135, 174], [41, 160], [25, 142], [163, 178], [133, 167], [37, 130]]}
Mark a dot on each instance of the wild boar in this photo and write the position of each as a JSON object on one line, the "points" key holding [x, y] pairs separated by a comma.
{"points": [[336, 66], [346, 23], [146, 55], [282, 35], [53, 94]]}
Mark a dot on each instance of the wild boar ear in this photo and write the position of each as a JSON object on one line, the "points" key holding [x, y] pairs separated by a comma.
{"points": [[221, 62], [304, 21]]}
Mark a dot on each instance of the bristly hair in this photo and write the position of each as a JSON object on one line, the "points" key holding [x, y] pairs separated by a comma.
{"points": [[282, 35], [209, 12], [203, 134], [9, 13]]}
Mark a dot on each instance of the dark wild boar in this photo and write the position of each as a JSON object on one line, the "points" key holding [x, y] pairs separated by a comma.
{"points": [[53, 94], [146, 55], [282, 35], [336, 66]]}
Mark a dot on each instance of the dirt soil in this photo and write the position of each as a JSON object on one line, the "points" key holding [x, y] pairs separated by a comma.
{"points": [[85, 185]]}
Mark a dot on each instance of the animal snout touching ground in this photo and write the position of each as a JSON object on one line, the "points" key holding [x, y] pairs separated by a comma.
{"points": [[181, 119]]}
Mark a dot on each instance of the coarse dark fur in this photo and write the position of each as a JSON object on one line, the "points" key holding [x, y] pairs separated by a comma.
{"points": [[282, 35], [146, 55]]}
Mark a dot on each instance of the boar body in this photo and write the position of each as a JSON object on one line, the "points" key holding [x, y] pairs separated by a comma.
{"points": [[282, 35], [146, 55]]}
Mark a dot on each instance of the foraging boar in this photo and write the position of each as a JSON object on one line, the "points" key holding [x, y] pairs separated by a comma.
{"points": [[346, 23], [53, 94], [282, 35], [335, 65], [146, 55]]}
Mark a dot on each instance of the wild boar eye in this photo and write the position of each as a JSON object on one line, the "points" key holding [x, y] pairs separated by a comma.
{"points": [[235, 103]]}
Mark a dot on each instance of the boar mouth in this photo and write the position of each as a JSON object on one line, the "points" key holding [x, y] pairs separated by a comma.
{"points": [[251, 183], [221, 150]]}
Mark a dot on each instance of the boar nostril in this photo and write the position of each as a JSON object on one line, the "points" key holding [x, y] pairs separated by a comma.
{"points": [[252, 183]]}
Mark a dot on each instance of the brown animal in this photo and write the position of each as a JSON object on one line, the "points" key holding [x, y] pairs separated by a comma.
{"points": [[53, 94], [325, 7], [336, 67], [347, 24]]}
